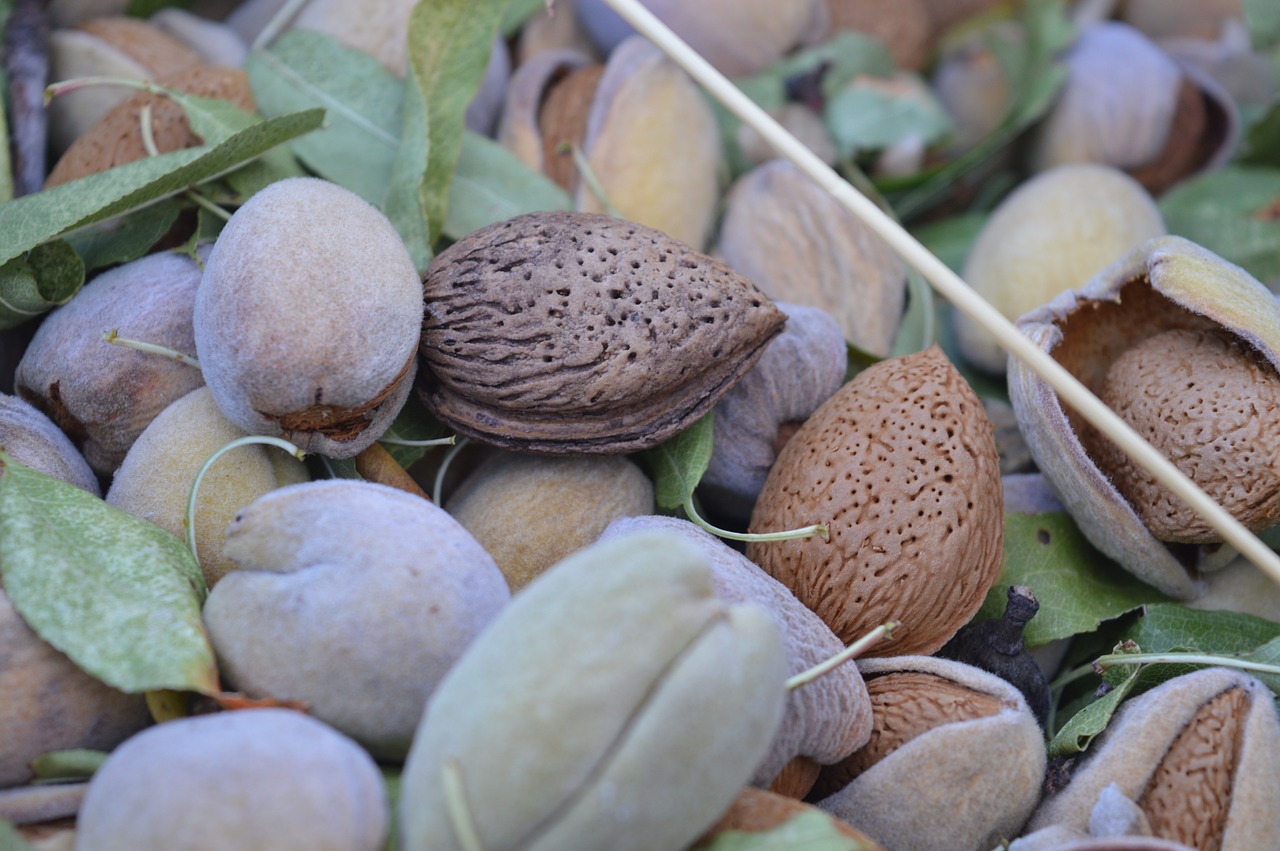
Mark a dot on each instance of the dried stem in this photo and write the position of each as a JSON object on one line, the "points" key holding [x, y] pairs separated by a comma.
{"points": [[951, 287]]}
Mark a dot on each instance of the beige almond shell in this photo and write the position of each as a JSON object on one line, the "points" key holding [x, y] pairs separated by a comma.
{"points": [[964, 785], [800, 246], [116, 138], [901, 465], [1133, 748], [154, 480], [1053, 233], [580, 333], [645, 109], [302, 280], [824, 721], [531, 511], [33, 440], [102, 396], [617, 702], [802, 368], [518, 126], [1161, 284]]}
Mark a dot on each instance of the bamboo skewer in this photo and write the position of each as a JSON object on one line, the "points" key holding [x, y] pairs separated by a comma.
{"points": [[950, 286]]}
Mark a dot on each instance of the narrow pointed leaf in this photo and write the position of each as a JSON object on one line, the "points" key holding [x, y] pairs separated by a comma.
{"points": [[492, 185], [119, 595], [677, 464]]}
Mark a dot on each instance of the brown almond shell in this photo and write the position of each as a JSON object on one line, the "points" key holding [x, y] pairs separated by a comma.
{"points": [[901, 465], [581, 333]]}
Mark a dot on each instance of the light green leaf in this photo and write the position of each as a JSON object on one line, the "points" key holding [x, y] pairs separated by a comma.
{"points": [[34, 219], [1078, 588], [125, 238], [357, 146], [1170, 626], [404, 204], [517, 13], [812, 830], [1081, 729], [492, 185], [677, 465], [449, 46], [874, 114], [1262, 141], [68, 765], [48, 276], [11, 839], [1263, 17], [1234, 212], [916, 333], [119, 595]]}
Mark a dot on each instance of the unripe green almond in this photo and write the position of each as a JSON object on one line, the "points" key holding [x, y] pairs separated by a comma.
{"points": [[154, 481], [257, 778], [529, 512], [353, 598], [308, 316], [616, 703]]}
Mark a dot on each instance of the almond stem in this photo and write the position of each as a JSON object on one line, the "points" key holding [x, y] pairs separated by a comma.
{"points": [[853, 651], [114, 338], [190, 521], [1112, 660], [951, 287], [460, 815], [806, 532]]}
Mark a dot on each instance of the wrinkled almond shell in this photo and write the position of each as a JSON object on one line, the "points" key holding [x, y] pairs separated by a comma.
{"points": [[575, 332]]}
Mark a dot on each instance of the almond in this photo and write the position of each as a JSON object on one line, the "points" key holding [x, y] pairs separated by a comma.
{"points": [[901, 464], [576, 332]]}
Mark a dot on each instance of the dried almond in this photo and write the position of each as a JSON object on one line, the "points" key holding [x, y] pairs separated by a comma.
{"points": [[576, 332], [901, 464]]}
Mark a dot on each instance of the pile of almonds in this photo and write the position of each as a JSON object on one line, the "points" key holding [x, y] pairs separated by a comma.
{"points": [[512, 628]]}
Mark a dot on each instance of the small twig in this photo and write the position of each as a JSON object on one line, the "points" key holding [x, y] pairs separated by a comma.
{"points": [[691, 511], [589, 177], [439, 441], [437, 491], [114, 338], [1112, 660], [148, 131]]}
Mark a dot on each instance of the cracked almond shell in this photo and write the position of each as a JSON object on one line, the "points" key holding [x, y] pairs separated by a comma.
{"points": [[616, 703], [1161, 285], [582, 333], [1199, 755], [901, 465]]}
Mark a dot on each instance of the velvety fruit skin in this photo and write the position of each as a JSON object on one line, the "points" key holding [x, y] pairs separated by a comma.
{"points": [[33, 440], [307, 318], [256, 778], [354, 598], [901, 464]]}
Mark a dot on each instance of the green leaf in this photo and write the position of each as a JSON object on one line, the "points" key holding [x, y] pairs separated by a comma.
{"points": [[34, 219], [147, 8], [414, 422], [1076, 735], [916, 333], [1233, 212], [518, 12], [1170, 626], [68, 765], [119, 595], [847, 55], [357, 146], [1078, 588], [874, 114], [11, 839], [125, 238], [492, 185], [1263, 17], [449, 46], [951, 238], [677, 465], [812, 830], [48, 276], [1262, 141], [405, 205]]}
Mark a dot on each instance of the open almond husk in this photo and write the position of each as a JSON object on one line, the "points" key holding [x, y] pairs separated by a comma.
{"points": [[1164, 284]]}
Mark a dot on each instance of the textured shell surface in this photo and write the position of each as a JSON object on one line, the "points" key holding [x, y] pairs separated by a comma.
{"points": [[557, 332]]}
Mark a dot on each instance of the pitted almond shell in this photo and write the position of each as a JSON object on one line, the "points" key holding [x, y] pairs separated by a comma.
{"points": [[1199, 754], [826, 720], [574, 332], [1162, 284], [981, 764], [117, 137], [654, 145], [799, 245], [901, 464]]}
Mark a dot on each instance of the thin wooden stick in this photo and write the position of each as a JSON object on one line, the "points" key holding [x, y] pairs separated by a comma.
{"points": [[951, 287]]}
